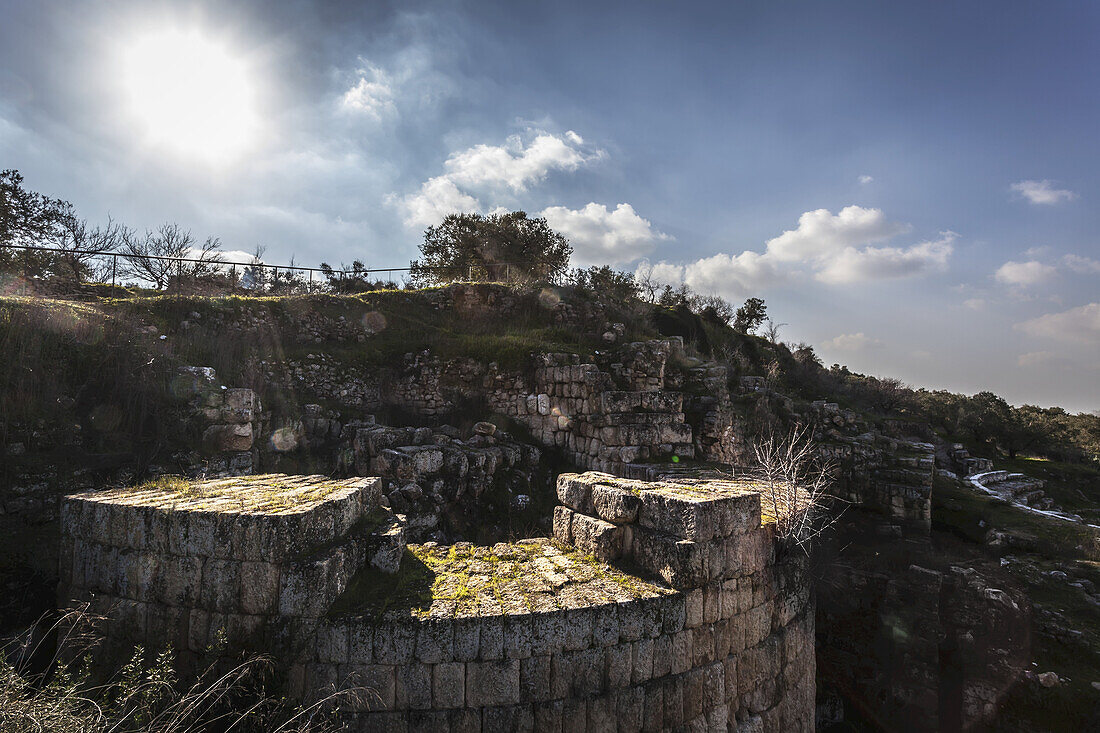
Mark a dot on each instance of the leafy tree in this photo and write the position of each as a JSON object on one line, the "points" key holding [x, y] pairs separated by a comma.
{"points": [[605, 283], [26, 217], [352, 278], [750, 315], [493, 247]]}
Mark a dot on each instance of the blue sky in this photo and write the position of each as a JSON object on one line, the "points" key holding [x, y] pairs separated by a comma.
{"points": [[910, 186]]}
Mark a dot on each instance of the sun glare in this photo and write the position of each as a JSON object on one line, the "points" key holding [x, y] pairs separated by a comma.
{"points": [[190, 94]]}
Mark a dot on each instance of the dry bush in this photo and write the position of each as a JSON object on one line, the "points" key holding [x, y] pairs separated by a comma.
{"points": [[795, 482], [145, 694]]}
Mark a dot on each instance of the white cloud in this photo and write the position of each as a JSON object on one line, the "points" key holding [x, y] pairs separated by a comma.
{"points": [[600, 236], [882, 263], [733, 276], [437, 198], [1024, 273], [852, 342], [1081, 324], [515, 165], [372, 94], [489, 169], [1083, 265], [821, 233], [865, 179], [1042, 192], [834, 246], [975, 304]]}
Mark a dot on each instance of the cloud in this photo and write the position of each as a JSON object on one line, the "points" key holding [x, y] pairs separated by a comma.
{"points": [[1041, 359], [371, 95], [487, 170], [1024, 273], [1083, 265], [733, 276], [852, 342], [975, 304], [883, 263], [836, 248], [515, 165], [437, 198], [820, 233], [601, 236], [865, 179], [1042, 192], [1080, 324]]}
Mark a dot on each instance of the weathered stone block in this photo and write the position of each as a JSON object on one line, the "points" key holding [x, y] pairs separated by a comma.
{"points": [[596, 537], [448, 685], [413, 690], [615, 505], [259, 587], [492, 683]]}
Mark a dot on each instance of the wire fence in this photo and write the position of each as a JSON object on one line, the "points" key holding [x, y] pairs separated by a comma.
{"points": [[193, 273]]}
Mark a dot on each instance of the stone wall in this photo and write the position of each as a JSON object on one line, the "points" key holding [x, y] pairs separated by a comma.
{"points": [[702, 622]]}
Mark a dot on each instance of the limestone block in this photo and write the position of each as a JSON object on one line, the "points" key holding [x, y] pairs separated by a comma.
{"points": [[225, 438], [615, 505], [563, 524], [448, 685], [259, 587], [594, 536], [620, 665], [543, 404], [178, 580], [680, 563], [435, 641], [395, 642], [534, 678], [360, 644], [242, 405], [492, 683], [577, 674], [413, 689], [467, 638], [221, 586]]}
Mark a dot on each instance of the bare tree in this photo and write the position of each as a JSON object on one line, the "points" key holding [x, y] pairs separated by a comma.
{"points": [[771, 331], [648, 288], [81, 248], [794, 479], [158, 255]]}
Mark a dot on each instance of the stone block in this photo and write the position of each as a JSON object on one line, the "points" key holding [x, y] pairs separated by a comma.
{"points": [[534, 678], [448, 685], [259, 587], [596, 537], [563, 524], [435, 641], [413, 689], [615, 505], [332, 643], [395, 643], [360, 644], [620, 665], [492, 683]]}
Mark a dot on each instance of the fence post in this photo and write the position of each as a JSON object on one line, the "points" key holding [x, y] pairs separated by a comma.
{"points": [[114, 268], [309, 288]]}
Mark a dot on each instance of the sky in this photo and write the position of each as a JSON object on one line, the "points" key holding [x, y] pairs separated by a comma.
{"points": [[912, 187]]}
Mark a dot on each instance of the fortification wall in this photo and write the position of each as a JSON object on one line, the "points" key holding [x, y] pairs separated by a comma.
{"points": [[712, 629]]}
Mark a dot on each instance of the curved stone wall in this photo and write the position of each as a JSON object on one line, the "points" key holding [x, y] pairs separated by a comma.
{"points": [[658, 606]]}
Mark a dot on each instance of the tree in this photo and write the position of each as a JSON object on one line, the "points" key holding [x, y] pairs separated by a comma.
{"points": [[605, 283], [494, 247], [158, 255], [749, 316], [713, 308], [79, 246], [26, 217]]}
